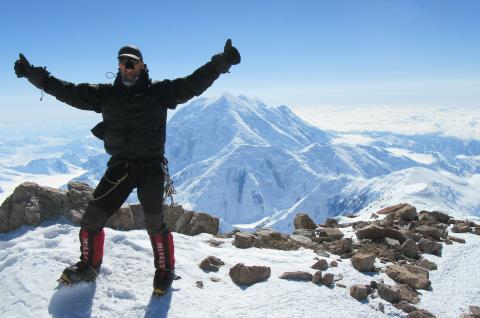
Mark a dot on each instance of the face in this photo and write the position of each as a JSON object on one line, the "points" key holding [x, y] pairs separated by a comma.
{"points": [[131, 73]]}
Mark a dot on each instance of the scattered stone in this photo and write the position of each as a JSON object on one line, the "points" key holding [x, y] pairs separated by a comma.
{"points": [[392, 242], [430, 247], [373, 284], [359, 292], [330, 232], [328, 279], [409, 249], [268, 238], [413, 276], [303, 221], [340, 285], [330, 222], [215, 279], [214, 243], [199, 284], [456, 239], [461, 228], [298, 276], [475, 310], [310, 233], [363, 262], [429, 232], [408, 294], [381, 307], [476, 230], [339, 247], [428, 265], [243, 240], [320, 265], [420, 313], [402, 211], [389, 293], [249, 275], [434, 216], [375, 232], [334, 264], [317, 277], [211, 264], [406, 307], [374, 216]]}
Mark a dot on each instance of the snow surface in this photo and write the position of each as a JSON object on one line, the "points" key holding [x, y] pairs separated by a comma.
{"points": [[31, 260]]}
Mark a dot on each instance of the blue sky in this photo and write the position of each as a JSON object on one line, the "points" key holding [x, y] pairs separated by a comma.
{"points": [[298, 53]]}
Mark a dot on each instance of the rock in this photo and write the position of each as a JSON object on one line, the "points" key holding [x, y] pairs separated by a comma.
{"points": [[79, 194], [359, 292], [429, 232], [420, 313], [475, 310], [363, 262], [373, 284], [215, 243], [374, 216], [389, 293], [328, 279], [303, 241], [199, 284], [435, 216], [303, 221], [298, 276], [406, 307], [410, 249], [340, 285], [381, 307], [476, 230], [339, 247], [413, 276], [305, 232], [317, 277], [211, 264], [408, 294], [333, 264], [461, 228], [456, 239], [330, 232], [402, 211], [188, 222], [243, 240], [331, 222], [249, 275], [375, 232], [215, 279], [428, 265], [127, 218], [320, 265], [268, 238], [392, 242], [31, 204], [430, 247]]}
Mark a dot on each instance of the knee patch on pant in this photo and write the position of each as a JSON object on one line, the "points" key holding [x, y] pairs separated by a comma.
{"points": [[94, 218]]}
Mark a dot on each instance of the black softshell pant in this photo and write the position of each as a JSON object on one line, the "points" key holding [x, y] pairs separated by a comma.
{"points": [[119, 180]]}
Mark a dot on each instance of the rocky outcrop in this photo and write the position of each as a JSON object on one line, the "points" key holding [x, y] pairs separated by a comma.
{"points": [[31, 204], [249, 275]]}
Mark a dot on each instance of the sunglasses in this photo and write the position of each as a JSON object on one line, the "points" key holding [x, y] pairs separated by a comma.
{"points": [[125, 60]]}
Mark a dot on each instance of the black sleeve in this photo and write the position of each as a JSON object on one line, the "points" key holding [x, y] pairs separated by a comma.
{"points": [[82, 96], [180, 90]]}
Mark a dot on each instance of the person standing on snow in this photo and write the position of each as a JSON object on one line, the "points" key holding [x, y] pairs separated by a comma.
{"points": [[134, 110]]}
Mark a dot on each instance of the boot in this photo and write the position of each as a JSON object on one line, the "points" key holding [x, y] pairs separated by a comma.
{"points": [[91, 247], [163, 252]]}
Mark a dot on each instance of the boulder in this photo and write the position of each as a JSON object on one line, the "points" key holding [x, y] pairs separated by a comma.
{"points": [[330, 232], [268, 238], [243, 240], [359, 292], [298, 276], [375, 232], [408, 294], [189, 222], [310, 233], [328, 279], [331, 222], [410, 249], [79, 194], [461, 228], [317, 277], [428, 265], [389, 293], [211, 264], [476, 230], [339, 247], [421, 313], [402, 211], [363, 262], [429, 232], [434, 217], [303, 221], [413, 276], [249, 275], [321, 264], [31, 204], [475, 310], [430, 247], [456, 239]]}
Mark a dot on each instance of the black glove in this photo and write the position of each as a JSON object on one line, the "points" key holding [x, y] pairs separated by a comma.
{"points": [[35, 74], [22, 66], [230, 56]]}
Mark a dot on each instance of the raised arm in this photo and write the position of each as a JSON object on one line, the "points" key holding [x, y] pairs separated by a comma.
{"points": [[180, 90], [81, 96]]}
